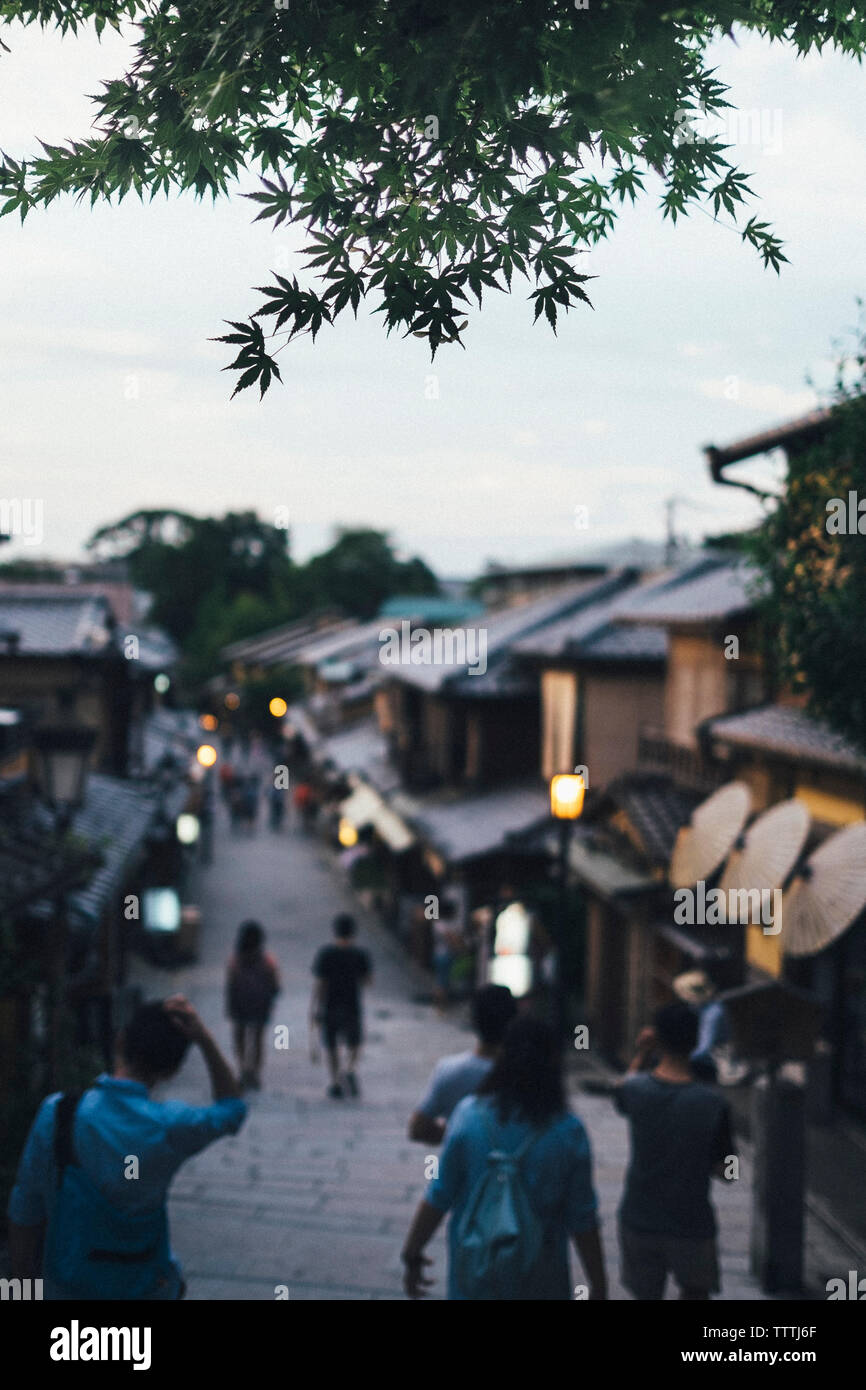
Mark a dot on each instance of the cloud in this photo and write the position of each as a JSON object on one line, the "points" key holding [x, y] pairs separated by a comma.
{"points": [[93, 342], [765, 398], [594, 427], [694, 349]]}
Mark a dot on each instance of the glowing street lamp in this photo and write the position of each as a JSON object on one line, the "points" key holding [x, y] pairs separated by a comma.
{"points": [[347, 834], [278, 707], [187, 828], [208, 721], [206, 755], [567, 791]]}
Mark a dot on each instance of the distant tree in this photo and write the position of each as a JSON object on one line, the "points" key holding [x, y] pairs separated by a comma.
{"points": [[360, 571], [812, 553], [220, 620], [430, 151], [184, 561], [215, 580]]}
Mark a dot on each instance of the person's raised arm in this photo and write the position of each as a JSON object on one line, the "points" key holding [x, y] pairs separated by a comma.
{"points": [[224, 1083], [643, 1050]]}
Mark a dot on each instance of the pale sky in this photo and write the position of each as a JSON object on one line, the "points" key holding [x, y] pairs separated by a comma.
{"points": [[112, 397]]}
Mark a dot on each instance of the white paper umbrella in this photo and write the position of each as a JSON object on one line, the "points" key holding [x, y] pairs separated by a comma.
{"points": [[766, 853], [703, 845], [827, 895]]}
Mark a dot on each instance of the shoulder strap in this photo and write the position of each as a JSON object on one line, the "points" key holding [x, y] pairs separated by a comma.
{"points": [[514, 1155], [64, 1123], [527, 1144]]}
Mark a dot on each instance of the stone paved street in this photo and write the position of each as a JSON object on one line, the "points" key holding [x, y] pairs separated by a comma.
{"points": [[317, 1194]]}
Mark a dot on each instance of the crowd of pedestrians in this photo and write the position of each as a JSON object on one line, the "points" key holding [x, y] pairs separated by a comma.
{"points": [[514, 1177]]}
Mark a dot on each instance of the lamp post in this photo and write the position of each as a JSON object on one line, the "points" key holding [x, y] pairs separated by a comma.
{"points": [[567, 791], [61, 756]]}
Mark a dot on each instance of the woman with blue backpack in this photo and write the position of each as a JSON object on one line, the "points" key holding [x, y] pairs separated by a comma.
{"points": [[515, 1174]]}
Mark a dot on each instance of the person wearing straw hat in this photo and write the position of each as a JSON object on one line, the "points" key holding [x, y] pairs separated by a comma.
{"points": [[696, 989]]}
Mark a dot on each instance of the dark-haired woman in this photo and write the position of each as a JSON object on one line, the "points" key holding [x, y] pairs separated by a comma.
{"points": [[521, 1102], [252, 985]]}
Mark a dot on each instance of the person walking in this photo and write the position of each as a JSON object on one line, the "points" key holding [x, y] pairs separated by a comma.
{"points": [[446, 944], [236, 804], [276, 807], [76, 1220], [515, 1137], [227, 777], [340, 970], [696, 988], [680, 1138], [252, 985], [493, 1008], [250, 802]]}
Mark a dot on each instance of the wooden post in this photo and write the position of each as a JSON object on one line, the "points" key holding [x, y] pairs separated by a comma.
{"points": [[779, 1134]]}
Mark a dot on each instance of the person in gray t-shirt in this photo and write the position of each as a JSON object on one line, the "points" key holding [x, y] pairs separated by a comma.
{"points": [[493, 1008], [680, 1139]]}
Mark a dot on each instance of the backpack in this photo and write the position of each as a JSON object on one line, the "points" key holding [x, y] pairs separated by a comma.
{"points": [[252, 987], [95, 1249], [500, 1237]]}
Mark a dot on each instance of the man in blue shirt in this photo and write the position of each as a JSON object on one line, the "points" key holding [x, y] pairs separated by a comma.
{"points": [[493, 1008], [125, 1149]]}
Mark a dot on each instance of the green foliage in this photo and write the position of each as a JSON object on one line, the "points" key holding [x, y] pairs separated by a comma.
{"points": [[428, 151], [360, 571], [257, 693], [815, 576], [188, 562], [215, 580]]}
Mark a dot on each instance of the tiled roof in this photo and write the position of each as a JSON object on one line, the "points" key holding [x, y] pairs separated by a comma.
{"points": [[53, 621], [777, 438], [462, 827], [156, 650], [711, 590], [280, 645], [656, 808], [353, 641], [361, 749], [169, 734], [114, 820], [593, 634], [788, 732], [600, 858], [34, 862], [502, 630]]}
